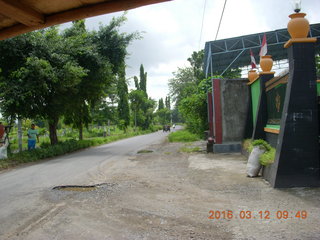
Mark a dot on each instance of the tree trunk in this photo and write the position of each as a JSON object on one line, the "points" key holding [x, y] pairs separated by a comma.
{"points": [[53, 131], [20, 134], [135, 119], [80, 132]]}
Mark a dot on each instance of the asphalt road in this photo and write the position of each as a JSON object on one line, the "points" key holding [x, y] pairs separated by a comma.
{"points": [[165, 193], [21, 189]]}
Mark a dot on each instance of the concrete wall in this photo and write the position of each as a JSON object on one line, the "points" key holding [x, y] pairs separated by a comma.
{"points": [[234, 105]]}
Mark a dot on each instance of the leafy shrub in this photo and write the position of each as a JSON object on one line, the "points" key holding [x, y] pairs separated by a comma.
{"points": [[47, 151], [189, 150], [182, 136], [262, 144], [267, 157], [247, 145]]}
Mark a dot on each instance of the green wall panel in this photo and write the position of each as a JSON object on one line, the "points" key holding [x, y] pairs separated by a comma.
{"points": [[255, 93]]}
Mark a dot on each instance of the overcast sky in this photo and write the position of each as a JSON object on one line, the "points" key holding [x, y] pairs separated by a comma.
{"points": [[172, 31]]}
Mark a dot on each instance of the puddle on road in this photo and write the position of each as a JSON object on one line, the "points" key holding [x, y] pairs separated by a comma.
{"points": [[76, 188]]}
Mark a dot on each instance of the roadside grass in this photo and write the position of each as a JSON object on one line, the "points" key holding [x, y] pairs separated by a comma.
{"points": [[47, 151], [189, 149], [182, 136]]}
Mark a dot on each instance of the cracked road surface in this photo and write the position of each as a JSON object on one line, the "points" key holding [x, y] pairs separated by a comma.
{"points": [[163, 194]]}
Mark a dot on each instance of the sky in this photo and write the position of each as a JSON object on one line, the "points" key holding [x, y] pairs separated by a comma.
{"points": [[172, 31]]}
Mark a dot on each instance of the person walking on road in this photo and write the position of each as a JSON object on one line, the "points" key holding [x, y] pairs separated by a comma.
{"points": [[33, 135]]}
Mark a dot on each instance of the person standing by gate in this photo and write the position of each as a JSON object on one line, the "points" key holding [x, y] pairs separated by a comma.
{"points": [[33, 135]]}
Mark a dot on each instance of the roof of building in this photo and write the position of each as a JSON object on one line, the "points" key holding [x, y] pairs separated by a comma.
{"points": [[18, 17], [221, 55]]}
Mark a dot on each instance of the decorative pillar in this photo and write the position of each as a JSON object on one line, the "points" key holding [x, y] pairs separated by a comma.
{"points": [[297, 156], [266, 63], [252, 75]]}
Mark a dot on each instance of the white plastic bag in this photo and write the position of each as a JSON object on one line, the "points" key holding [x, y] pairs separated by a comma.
{"points": [[253, 165]]}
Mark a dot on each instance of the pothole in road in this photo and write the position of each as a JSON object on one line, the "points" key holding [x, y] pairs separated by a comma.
{"points": [[79, 188], [145, 151]]}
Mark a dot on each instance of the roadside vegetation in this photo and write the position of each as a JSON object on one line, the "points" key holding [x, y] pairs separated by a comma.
{"points": [[46, 150], [73, 85], [267, 157], [190, 149], [183, 136], [189, 88]]}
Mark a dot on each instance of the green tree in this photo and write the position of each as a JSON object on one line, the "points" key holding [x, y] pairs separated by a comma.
{"points": [[123, 103], [168, 102], [137, 99], [143, 80], [182, 84], [196, 61], [160, 104], [93, 87], [136, 82], [188, 89], [40, 81]]}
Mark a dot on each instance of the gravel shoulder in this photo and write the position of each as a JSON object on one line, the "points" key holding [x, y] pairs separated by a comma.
{"points": [[168, 194]]}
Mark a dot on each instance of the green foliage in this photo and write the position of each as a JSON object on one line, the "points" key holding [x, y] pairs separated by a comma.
{"points": [[163, 115], [267, 157], [160, 104], [189, 91], [113, 45], [196, 61], [123, 104], [189, 149], [247, 145], [142, 106], [194, 111], [168, 102], [182, 84], [50, 74], [143, 80], [182, 136], [48, 151], [262, 144]]}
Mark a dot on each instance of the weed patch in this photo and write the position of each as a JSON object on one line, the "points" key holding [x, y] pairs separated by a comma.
{"points": [[182, 136]]}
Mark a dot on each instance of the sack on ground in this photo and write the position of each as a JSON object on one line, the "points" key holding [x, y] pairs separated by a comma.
{"points": [[253, 165]]}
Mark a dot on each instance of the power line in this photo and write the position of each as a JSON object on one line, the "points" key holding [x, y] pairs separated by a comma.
{"points": [[224, 6], [203, 13]]}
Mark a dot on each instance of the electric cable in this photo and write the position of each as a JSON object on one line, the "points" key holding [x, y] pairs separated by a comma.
{"points": [[224, 6], [203, 14]]}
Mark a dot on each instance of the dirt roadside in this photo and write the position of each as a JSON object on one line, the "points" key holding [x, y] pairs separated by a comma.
{"points": [[167, 194]]}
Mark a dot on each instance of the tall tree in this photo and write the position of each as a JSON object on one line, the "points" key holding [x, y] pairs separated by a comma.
{"points": [[160, 104], [93, 87], [136, 82], [168, 102], [143, 80], [123, 104], [137, 99], [196, 61]]}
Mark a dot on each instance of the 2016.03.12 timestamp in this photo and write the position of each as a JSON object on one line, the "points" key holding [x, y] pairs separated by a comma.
{"points": [[262, 214]]}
